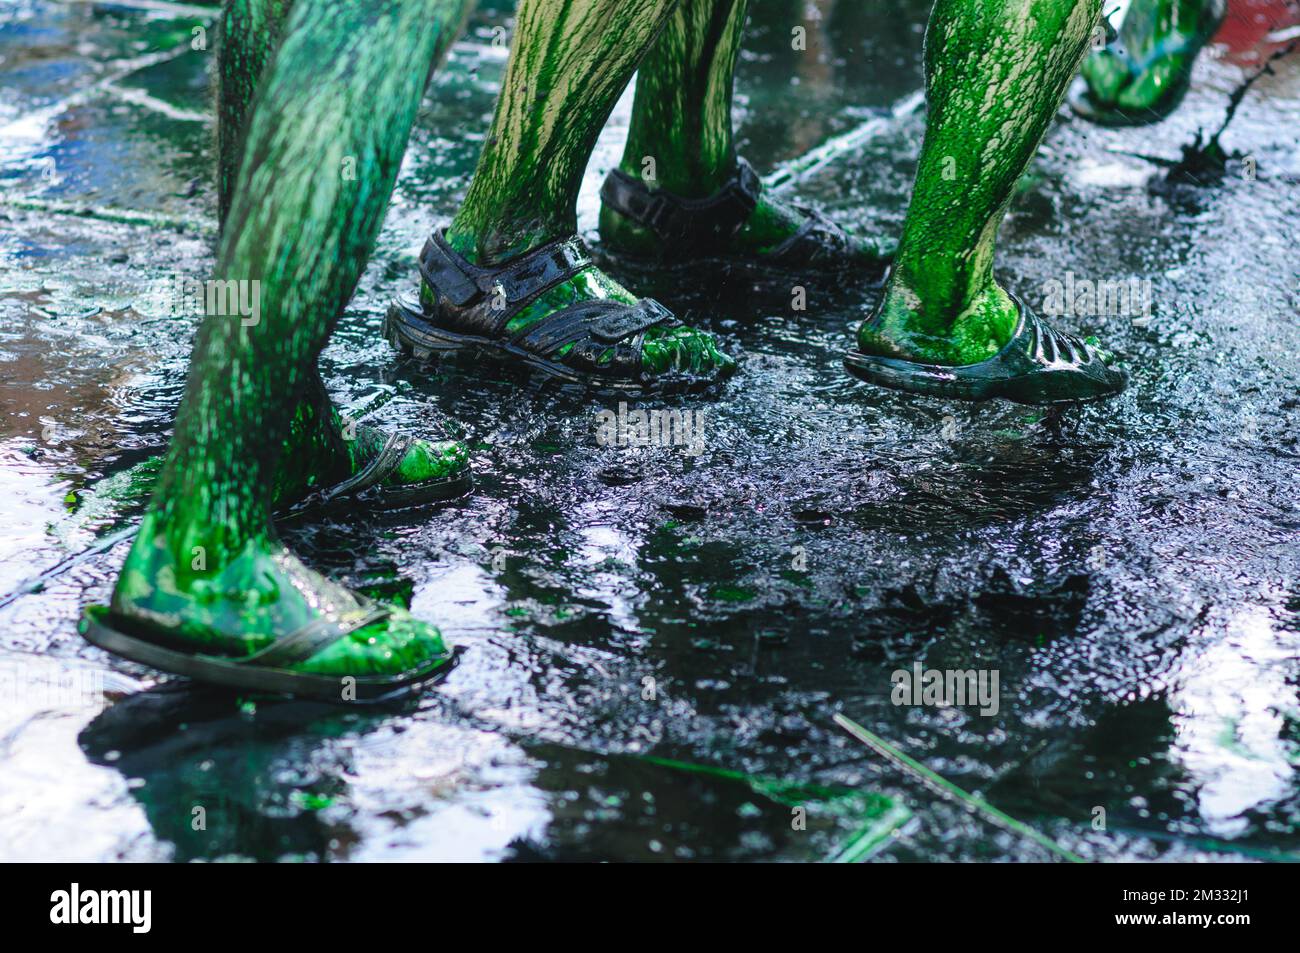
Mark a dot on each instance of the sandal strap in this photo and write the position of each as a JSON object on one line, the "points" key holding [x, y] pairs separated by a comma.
{"points": [[818, 236], [318, 634], [1046, 345], [381, 466], [605, 321], [518, 281], [676, 219]]}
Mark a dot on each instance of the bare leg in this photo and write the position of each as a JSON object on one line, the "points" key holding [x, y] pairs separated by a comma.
{"points": [[681, 123], [995, 74], [569, 62], [316, 453], [208, 568]]}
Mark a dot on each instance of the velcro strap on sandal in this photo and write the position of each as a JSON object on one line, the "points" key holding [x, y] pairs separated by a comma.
{"points": [[619, 325], [446, 273], [602, 320], [676, 219], [527, 276], [817, 237], [540, 269], [383, 465]]}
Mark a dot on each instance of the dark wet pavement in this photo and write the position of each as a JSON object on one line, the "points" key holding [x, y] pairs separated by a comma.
{"points": [[1129, 569]]}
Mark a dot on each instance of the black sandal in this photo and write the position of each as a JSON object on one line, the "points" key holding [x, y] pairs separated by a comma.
{"points": [[1039, 365], [368, 483], [696, 231], [602, 339], [268, 671]]}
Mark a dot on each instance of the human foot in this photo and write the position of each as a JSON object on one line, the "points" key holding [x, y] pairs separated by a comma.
{"points": [[326, 459], [903, 327], [551, 310], [252, 616], [1142, 78], [739, 221], [997, 347]]}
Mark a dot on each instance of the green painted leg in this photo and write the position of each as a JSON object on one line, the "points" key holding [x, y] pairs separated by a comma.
{"points": [[569, 61], [321, 464], [250, 32], [1142, 78], [321, 450], [995, 72], [207, 577], [681, 113], [680, 142]]}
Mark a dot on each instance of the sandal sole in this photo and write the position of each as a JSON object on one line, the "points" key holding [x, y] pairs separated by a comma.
{"points": [[392, 499], [408, 329], [228, 673], [935, 381]]}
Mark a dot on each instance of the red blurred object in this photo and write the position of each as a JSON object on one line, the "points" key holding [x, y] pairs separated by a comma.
{"points": [[1255, 29]]}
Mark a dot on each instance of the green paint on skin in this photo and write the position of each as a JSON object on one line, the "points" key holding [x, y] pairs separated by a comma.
{"points": [[681, 112], [316, 454], [311, 801], [995, 73], [569, 62], [250, 30], [306, 465], [681, 118], [1160, 40], [207, 565]]}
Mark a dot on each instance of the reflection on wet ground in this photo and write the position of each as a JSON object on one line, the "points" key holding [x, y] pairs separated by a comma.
{"points": [[655, 640]]}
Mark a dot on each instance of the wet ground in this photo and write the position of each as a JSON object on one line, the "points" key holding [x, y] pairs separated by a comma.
{"points": [[656, 639]]}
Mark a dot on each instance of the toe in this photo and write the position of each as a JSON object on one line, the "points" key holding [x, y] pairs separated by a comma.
{"points": [[1095, 351], [684, 349], [397, 644], [432, 460]]}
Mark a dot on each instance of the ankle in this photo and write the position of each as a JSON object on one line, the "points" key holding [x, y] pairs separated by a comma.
{"points": [[316, 437], [684, 173], [486, 242], [771, 222], [916, 326], [463, 238]]}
